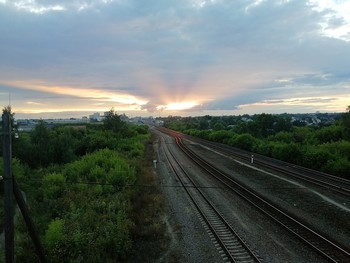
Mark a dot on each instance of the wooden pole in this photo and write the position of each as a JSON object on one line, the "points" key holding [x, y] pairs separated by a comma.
{"points": [[8, 187], [29, 222]]}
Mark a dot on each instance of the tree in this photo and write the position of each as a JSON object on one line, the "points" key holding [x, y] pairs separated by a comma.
{"points": [[283, 124], [218, 126], [8, 109], [339, 167], [316, 158], [244, 141], [301, 134], [189, 123], [203, 124], [41, 140], [63, 145], [289, 152], [114, 122], [221, 136], [346, 123], [5, 112], [264, 123], [286, 137], [329, 134]]}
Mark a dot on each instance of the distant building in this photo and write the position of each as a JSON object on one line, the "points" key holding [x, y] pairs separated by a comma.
{"points": [[246, 119], [85, 119], [95, 117]]}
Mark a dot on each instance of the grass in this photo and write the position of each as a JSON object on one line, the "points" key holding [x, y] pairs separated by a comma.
{"points": [[149, 233]]}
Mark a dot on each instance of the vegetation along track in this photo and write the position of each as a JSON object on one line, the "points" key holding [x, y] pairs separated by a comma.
{"points": [[334, 183], [337, 184], [323, 245], [233, 246]]}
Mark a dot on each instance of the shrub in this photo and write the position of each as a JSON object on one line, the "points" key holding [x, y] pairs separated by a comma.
{"points": [[286, 137], [329, 134], [288, 152], [316, 158], [53, 185], [338, 167], [221, 136], [55, 233], [244, 141]]}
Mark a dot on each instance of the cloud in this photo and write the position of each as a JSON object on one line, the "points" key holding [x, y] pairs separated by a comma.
{"points": [[220, 54], [33, 103], [93, 94]]}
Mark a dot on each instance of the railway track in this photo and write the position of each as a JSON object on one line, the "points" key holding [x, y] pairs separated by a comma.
{"points": [[232, 245], [337, 184], [331, 182], [329, 249]]}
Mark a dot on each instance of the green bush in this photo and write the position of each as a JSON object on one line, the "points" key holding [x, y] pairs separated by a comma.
{"points": [[320, 148], [316, 158], [288, 152], [104, 166], [54, 235], [221, 136], [79, 197], [53, 185], [329, 134], [94, 224], [286, 137], [244, 141], [340, 148], [339, 167], [204, 134]]}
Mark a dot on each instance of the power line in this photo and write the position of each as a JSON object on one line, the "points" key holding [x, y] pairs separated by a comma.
{"points": [[156, 185], [131, 185]]}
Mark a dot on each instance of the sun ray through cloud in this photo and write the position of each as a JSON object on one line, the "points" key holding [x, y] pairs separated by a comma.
{"points": [[184, 56]]}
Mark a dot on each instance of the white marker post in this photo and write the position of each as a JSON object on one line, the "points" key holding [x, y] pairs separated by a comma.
{"points": [[252, 159], [155, 164]]}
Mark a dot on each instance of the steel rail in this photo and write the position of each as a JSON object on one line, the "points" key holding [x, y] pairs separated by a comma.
{"points": [[232, 244], [321, 244], [328, 181], [337, 184]]}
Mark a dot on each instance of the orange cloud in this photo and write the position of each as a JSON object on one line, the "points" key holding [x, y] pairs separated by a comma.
{"points": [[94, 94]]}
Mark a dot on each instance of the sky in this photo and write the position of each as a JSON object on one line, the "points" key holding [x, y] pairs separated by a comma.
{"points": [[70, 58]]}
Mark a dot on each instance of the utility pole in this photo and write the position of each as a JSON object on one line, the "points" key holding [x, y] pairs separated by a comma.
{"points": [[8, 186], [11, 188]]}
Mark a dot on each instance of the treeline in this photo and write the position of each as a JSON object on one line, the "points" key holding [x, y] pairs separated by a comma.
{"points": [[325, 148], [79, 183], [44, 146]]}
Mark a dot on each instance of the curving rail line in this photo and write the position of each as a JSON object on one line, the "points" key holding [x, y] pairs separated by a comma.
{"points": [[324, 246], [334, 183], [234, 247], [337, 184]]}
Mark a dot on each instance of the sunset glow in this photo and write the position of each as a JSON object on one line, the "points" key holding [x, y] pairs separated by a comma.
{"points": [[178, 106], [183, 57], [94, 94]]}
